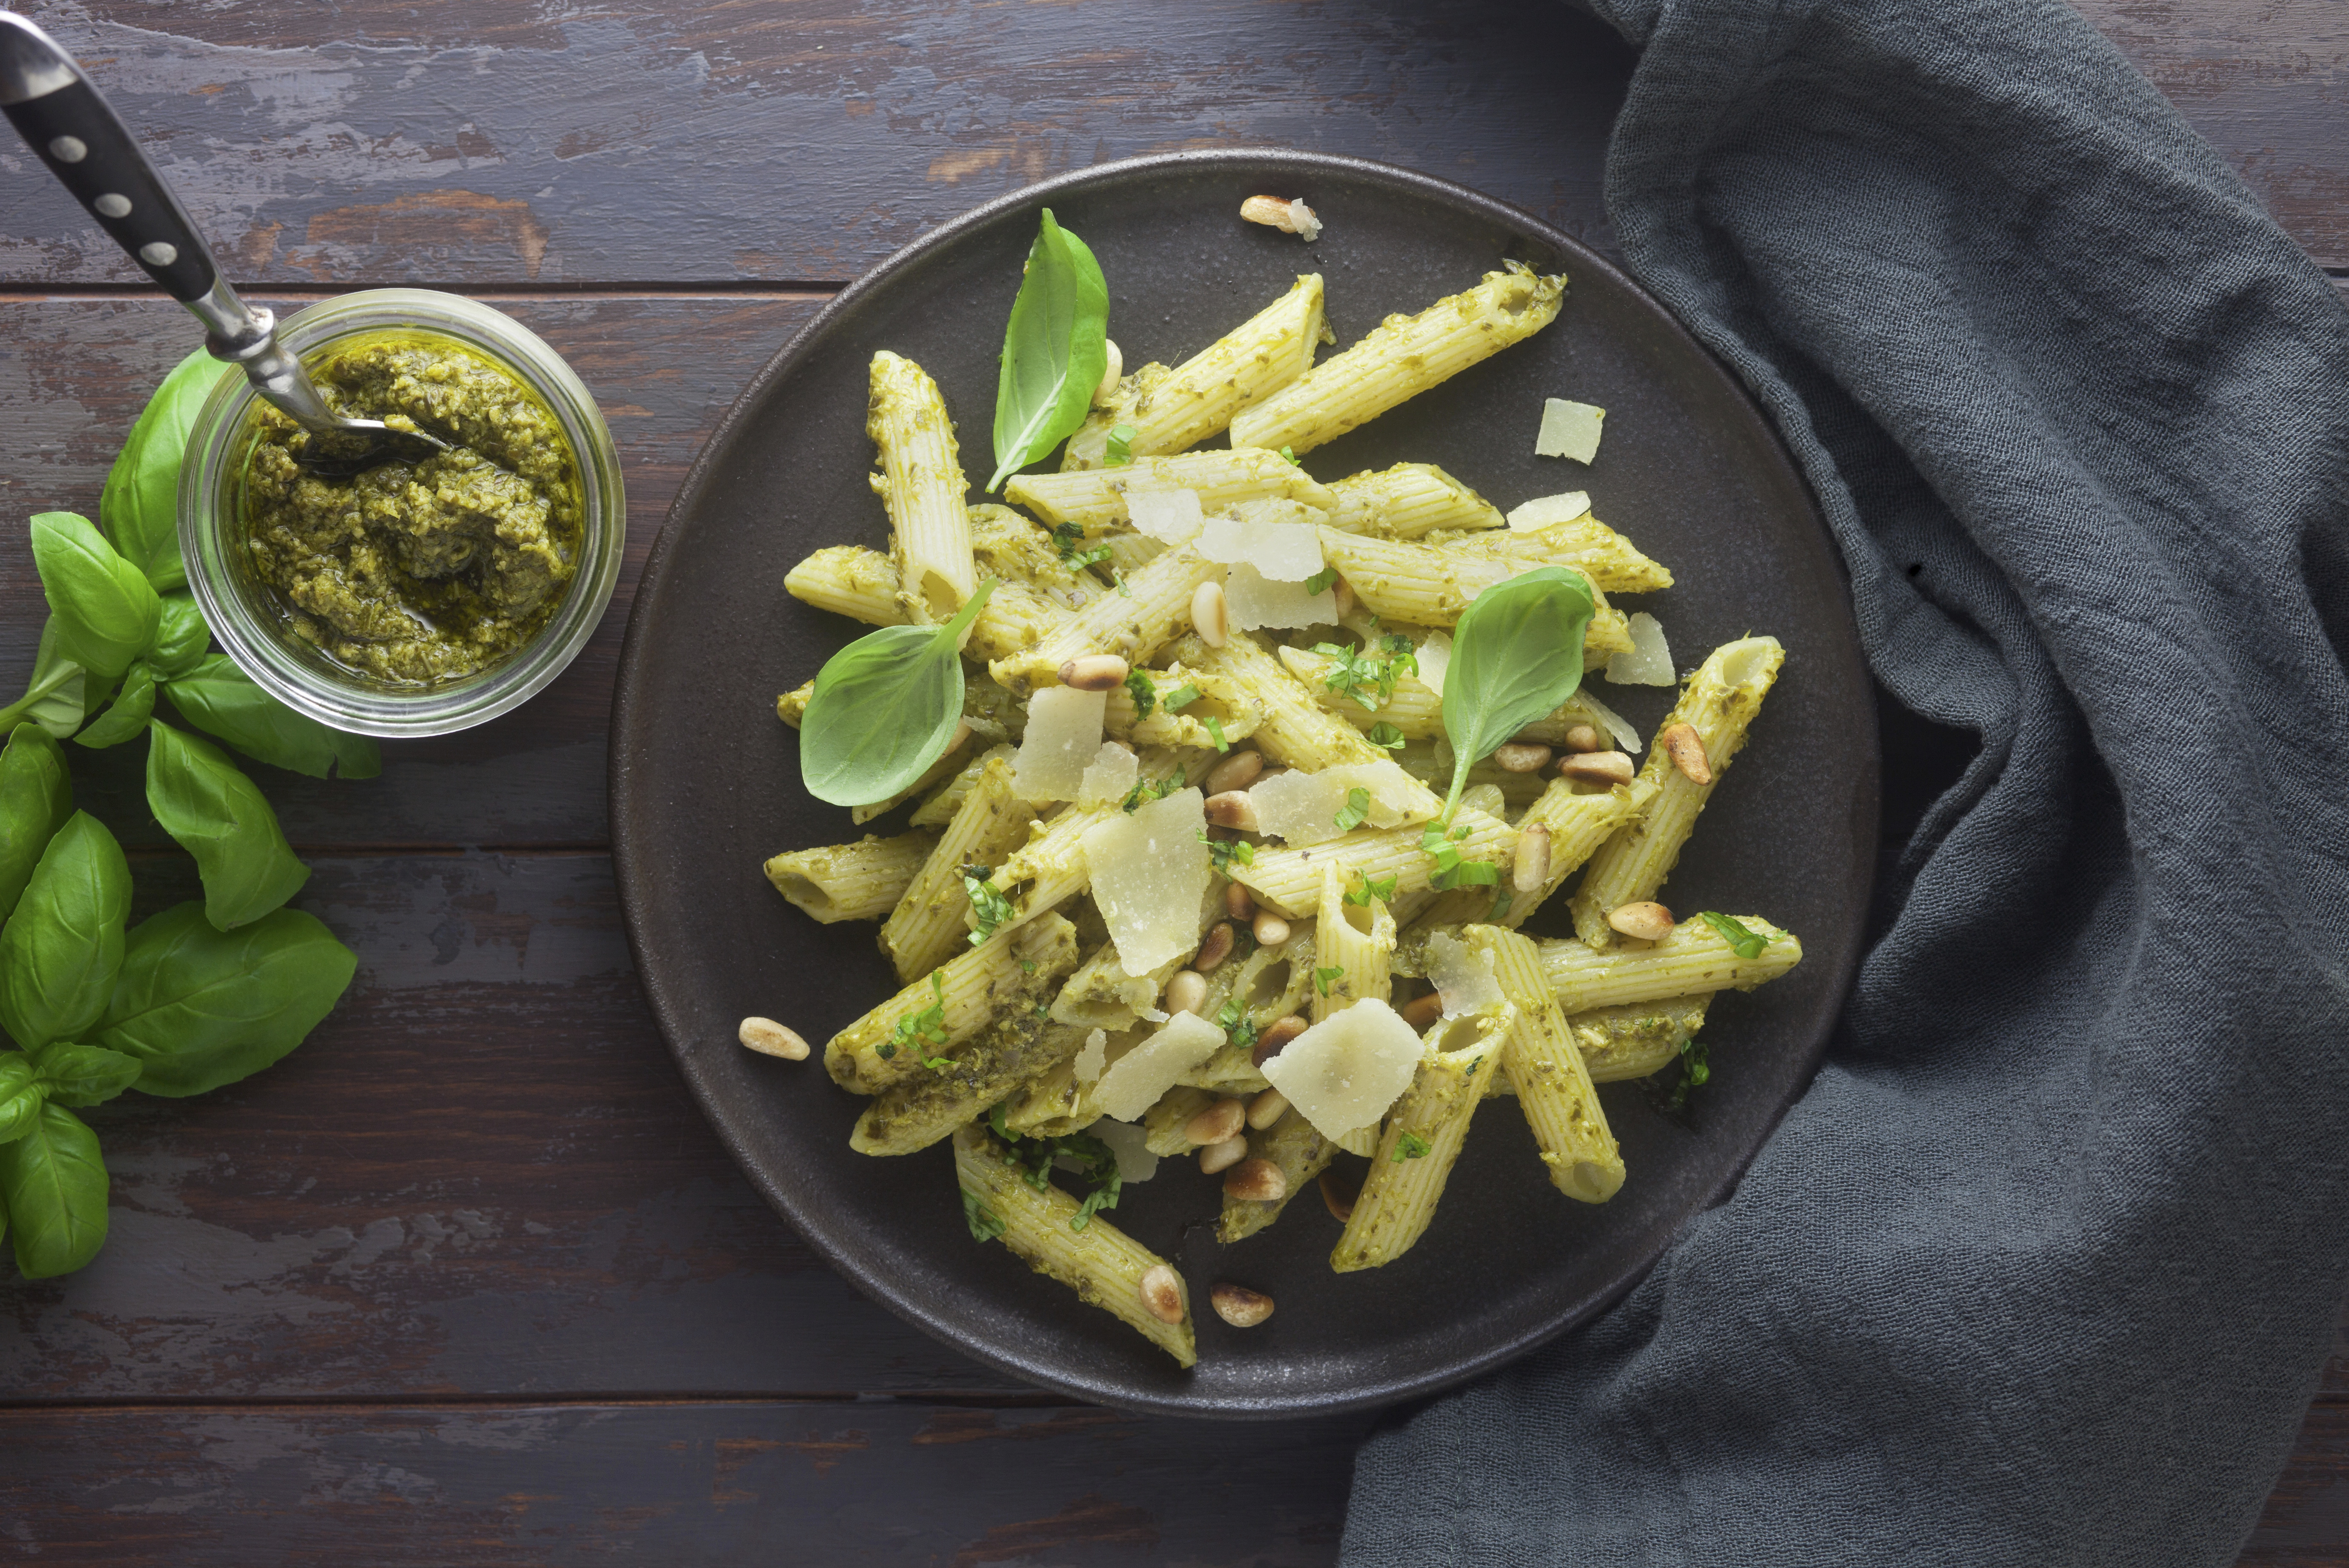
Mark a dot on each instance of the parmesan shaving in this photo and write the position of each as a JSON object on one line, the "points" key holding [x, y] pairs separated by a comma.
{"points": [[1111, 775], [1094, 1056], [1063, 738], [1256, 602], [1569, 431], [1546, 511], [1166, 514], [1149, 872], [1462, 976], [1344, 1072], [1251, 534], [1134, 1082], [1649, 660], [1616, 725], [1434, 656], [1131, 1145], [1302, 807]]}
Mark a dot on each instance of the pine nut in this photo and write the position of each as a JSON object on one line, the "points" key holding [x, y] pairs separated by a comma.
{"points": [[1210, 616], [1162, 1294], [1094, 671], [1272, 931], [1237, 771], [1110, 373], [771, 1039], [1187, 993], [1239, 901], [1266, 1109], [1532, 868], [1258, 1179], [1276, 1035], [1338, 1195], [1649, 922], [1216, 949], [1239, 1305], [1421, 1011], [1232, 808], [1598, 767], [1223, 1156], [1685, 746], [1341, 595], [1516, 758], [1217, 1123], [1582, 737], [1271, 211]]}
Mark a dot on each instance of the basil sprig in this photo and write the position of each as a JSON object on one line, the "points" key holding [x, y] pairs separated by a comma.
{"points": [[1516, 654], [1055, 349], [884, 709]]}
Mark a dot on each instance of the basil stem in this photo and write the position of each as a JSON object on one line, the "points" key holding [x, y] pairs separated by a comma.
{"points": [[884, 708]]}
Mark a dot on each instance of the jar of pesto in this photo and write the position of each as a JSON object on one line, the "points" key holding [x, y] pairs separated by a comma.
{"points": [[412, 599]]}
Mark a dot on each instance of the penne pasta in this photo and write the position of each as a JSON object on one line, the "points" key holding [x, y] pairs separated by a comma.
{"points": [[927, 927], [1093, 500], [1693, 957], [922, 485], [1408, 501], [1352, 943], [863, 881], [1422, 1138], [1420, 585], [1017, 1046], [1545, 1069], [1290, 880], [933, 1017], [1133, 621], [1299, 1151]]}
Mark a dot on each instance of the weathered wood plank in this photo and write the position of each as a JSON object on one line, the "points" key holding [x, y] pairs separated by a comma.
{"points": [[74, 373], [677, 1484]]}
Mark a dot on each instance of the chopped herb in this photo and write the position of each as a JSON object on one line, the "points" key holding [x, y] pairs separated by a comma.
{"points": [[985, 1224], [1043, 1009], [1384, 734], [1145, 694], [1182, 695], [1323, 978], [1694, 1070], [1410, 1146], [1290, 458], [1355, 811], [1450, 870], [1119, 449], [1119, 578], [1027, 966], [995, 1120], [1225, 853], [1095, 1162], [1068, 540], [1151, 789], [1369, 674], [1319, 582], [1379, 888], [1468, 873], [1216, 728], [988, 905], [1503, 897], [916, 1030], [1233, 1019], [1743, 939]]}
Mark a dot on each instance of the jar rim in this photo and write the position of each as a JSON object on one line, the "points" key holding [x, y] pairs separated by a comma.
{"points": [[256, 642]]}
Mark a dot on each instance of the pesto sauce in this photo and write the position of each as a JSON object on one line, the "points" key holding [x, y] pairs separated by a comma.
{"points": [[416, 574]]}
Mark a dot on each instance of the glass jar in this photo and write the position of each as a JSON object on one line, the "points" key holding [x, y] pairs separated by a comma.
{"points": [[245, 614]]}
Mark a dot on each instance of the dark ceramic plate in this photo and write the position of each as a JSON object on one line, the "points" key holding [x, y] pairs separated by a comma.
{"points": [[705, 782]]}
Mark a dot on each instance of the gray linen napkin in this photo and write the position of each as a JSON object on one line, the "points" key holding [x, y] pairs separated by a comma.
{"points": [[2042, 1269]]}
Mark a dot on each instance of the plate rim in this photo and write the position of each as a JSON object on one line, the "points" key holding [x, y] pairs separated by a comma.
{"points": [[621, 783]]}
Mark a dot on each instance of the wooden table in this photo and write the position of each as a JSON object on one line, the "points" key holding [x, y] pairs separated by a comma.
{"points": [[466, 1279]]}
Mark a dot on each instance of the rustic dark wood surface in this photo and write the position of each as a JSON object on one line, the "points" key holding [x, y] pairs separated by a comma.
{"points": [[466, 1279]]}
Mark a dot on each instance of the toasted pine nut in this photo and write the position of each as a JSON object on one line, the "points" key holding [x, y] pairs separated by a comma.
{"points": [[1237, 771], [1277, 1034], [1598, 766], [1258, 1179], [1532, 868], [1218, 1122], [1649, 922], [1239, 901], [1239, 1305], [1162, 1294], [1272, 931], [1516, 758], [1338, 1195], [1223, 1156], [769, 1038], [1266, 1109], [1421, 1011], [1187, 993], [1685, 746], [1094, 671], [1232, 808], [1210, 616], [1582, 737], [1269, 211], [1341, 595], [1214, 949], [1110, 373]]}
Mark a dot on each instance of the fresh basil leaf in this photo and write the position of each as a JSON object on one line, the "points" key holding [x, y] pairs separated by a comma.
{"points": [[140, 505], [105, 608], [77, 1075], [180, 636], [221, 699], [1412, 1146], [218, 816], [883, 708], [61, 949], [55, 1184], [1516, 654], [1055, 348], [1384, 734], [57, 696], [133, 705], [21, 1096], [198, 1008], [36, 799], [1355, 811], [1118, 450]]}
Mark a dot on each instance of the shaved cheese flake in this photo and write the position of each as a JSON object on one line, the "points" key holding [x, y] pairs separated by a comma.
{"points": [[1163, 513], [1650, 662], [1256, 602], [1548, 510], [1462, 976], [1281, 552], [1434, 656], [1569, 431], [1149, 873], [1131, 1144], [1302, 807], [1475, 576], [1346, 1070], [1064, 736], [1134, 1082], [1094, 1058], [1111, 775], [1616, 725]]}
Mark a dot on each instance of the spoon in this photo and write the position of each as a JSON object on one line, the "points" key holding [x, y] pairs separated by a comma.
{"points": [[75, 131]]}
